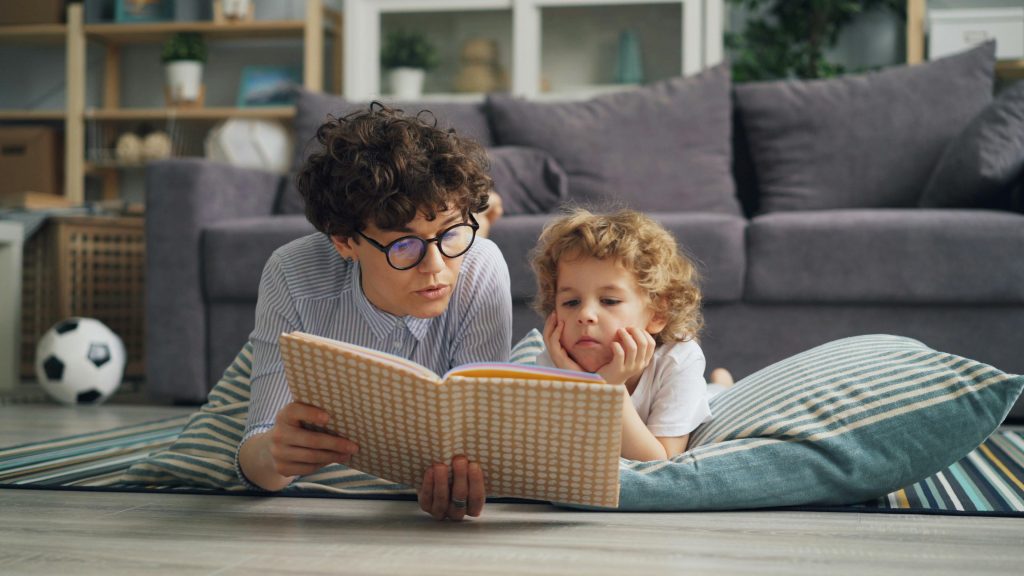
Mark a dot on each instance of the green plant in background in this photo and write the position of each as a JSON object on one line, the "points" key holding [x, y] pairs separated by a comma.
{"points": [[788, 38], [184, 46], [408, 49]]}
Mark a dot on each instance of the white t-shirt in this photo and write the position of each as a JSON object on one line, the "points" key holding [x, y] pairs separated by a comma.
{"points": [[672, 396]]}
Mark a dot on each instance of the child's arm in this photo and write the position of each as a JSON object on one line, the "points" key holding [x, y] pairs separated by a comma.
{"points": [[638, 443]]}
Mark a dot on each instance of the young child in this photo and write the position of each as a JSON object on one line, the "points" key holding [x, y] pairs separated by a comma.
{"points": [[622, 301]]}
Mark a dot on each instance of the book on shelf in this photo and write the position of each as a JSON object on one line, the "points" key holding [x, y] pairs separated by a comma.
{"points": [[539, 433]]}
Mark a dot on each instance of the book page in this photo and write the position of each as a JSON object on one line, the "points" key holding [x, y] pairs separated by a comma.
{"points": [[521, 371], [384, 357], [392, 413], [541, 439]]}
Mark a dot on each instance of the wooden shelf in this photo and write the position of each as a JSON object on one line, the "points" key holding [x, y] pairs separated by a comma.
{"points": [[206, 113], [1010, 68], [33, 34], [155, 33], [31, 114]]}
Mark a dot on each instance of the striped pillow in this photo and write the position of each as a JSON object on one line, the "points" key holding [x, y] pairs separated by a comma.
{"points": [[842, 423]]}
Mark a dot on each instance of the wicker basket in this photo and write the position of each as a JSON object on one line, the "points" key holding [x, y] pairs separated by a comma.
{"points": [[90, 266]]}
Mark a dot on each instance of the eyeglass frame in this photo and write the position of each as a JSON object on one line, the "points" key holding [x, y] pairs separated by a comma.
{"points": [[386, 249]]}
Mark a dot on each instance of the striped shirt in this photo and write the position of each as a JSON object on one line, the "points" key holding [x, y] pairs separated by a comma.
{"points": [[308, 286]]}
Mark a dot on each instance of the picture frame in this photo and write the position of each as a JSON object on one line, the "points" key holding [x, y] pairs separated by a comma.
{"points": [[268, 86], [139, 11]]}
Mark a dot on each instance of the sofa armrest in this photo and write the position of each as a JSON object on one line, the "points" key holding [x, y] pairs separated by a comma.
{"points": [[183, 196]]}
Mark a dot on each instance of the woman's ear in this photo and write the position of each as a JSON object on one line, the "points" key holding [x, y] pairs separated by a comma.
{"points": [[345, 247]]}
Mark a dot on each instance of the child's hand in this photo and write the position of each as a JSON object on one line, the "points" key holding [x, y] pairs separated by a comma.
{"points": [[553, 341], [630, 355]]}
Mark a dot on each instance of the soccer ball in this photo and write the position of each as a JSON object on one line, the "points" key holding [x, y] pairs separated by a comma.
{"points": [[80, 361]]}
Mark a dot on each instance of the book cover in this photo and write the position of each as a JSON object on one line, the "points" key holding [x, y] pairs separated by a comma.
{"points": [[538, 433]]}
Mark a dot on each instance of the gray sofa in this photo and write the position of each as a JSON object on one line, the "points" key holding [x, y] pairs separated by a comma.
{"points": [[777, 278]]}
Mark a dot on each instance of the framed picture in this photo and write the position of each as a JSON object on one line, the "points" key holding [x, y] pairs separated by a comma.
{"points": [[268, 85], [143, 10]]}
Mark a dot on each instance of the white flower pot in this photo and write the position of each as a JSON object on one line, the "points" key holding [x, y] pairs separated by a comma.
{"points": [[407, 83], [184, 78], [236, 9]]}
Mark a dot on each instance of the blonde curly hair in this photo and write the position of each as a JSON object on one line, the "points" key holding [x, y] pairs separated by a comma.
{"points": [[641, 246]]}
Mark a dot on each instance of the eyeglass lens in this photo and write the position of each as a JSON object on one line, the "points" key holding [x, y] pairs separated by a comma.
{"points": [[408, 252]]}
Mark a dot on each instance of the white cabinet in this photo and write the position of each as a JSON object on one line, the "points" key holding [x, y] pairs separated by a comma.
{"points": [[547, 47]]}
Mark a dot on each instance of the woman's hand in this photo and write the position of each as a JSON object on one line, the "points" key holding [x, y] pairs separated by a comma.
{"points": [[553, 341], [297, 451], [465, 496], [630, 355]]}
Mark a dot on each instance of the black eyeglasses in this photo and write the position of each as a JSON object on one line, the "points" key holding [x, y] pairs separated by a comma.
{"points": [[408, 251]]}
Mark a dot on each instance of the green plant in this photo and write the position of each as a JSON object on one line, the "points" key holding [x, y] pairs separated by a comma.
{"points": [[184, 46], [788, 38], [408, 49]]}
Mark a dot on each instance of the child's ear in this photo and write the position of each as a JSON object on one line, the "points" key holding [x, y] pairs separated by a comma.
{"points": [[345, 247], [657, 324]]}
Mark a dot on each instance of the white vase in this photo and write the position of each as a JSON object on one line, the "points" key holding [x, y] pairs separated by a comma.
{"points": [[407, 83], [184, 77]]}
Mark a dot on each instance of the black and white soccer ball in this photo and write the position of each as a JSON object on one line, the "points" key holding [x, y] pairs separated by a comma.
{"points": [[80, 361]]}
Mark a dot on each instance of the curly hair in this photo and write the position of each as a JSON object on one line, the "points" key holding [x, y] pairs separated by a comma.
{"points": [[641, 246], [382, 166]]}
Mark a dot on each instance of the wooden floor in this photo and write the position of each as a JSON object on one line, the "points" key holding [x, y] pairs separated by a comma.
{"points": [[58, 532]]}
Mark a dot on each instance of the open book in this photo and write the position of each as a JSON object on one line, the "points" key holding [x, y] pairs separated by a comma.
{"points": [[537, 432]]}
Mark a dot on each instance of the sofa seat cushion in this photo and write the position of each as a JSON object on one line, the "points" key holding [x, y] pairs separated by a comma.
{"points": [[714, 241], [235, 251], [890, 256]]}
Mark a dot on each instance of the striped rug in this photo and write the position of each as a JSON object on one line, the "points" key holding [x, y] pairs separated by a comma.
{"points": [[989, 481]]}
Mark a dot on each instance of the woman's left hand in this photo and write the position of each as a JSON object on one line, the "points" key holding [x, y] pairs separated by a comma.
{"points": [[465, 496]]}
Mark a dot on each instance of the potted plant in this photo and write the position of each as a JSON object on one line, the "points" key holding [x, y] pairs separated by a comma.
{"points": [[183, 56], [407, 56]]}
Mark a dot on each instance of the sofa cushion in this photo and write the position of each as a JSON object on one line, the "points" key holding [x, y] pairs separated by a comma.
{"points": [[981, 166], [234, 253], [663, 147], [312, 108], [529, 180], [714, 241], [861, 141], [891, 256]]}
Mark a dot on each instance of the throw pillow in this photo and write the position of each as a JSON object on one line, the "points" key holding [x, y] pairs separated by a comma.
{"points": [[981, 166], [312, 108], [860, 141], [663, 147], [528, 180], [839, 424]]}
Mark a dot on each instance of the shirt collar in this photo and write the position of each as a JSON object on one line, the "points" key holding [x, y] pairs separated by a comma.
{"points": [[383, 323]]}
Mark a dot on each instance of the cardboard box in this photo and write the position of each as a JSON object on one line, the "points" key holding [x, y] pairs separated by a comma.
{"points": [[29, 160], [955, 30], [32, 12]]}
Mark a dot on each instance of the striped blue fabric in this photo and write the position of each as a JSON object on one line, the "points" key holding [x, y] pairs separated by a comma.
{"points": [[846, 422], [307, 286]]}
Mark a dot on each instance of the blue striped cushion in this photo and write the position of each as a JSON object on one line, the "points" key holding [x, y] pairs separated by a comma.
{"points": [[842, 423]]}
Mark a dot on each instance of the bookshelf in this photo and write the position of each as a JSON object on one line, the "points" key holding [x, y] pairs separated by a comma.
{"points": [[917, 14], [695, 42], [115, 38]]}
